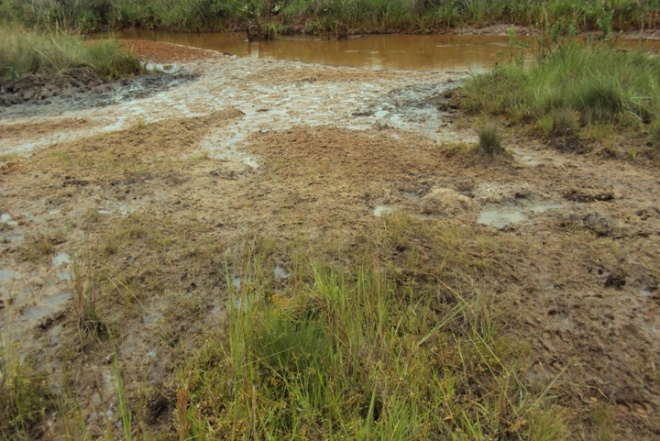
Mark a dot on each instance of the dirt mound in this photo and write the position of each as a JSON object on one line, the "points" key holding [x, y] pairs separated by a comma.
{"points": [[78, 89], [42, 87], [160, 52]]}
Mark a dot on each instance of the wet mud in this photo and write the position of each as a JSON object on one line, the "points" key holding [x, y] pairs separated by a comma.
{"points": [[78, 89], [163, 186]]}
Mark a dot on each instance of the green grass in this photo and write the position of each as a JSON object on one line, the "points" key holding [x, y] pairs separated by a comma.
{"points": [[362, 351], [399, 337], [50, 53], [24, 397], [490, 141], [574, 89], [324, 15]]}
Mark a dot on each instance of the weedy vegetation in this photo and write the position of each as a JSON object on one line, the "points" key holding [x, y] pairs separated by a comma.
{"points": [[323, 16], [490, 140], [24, 396], [24, 51], [393, 340], [361, 352], [573, 89]]}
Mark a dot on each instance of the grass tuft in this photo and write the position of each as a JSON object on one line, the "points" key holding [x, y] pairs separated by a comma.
{"points": [[39, 246], [654, 134], [24, 398], [490, 141], [600, 84], [564, 122]]}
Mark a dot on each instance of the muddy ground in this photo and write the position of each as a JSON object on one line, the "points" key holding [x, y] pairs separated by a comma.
{"points": [[145, 199]]}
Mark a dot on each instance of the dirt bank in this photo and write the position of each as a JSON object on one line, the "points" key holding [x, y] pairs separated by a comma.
{"points": [[149, 198]]}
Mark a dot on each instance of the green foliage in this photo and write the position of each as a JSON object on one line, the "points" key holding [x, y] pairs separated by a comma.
{"points": [[655, 134], [361, 354], [401, 15], [572, 85], [24, 397], [490, 141], [29, 52]]}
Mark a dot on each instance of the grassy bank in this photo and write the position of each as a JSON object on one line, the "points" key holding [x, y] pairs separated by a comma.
{"points": [[327, 15], [29, 52], [574, 90]]}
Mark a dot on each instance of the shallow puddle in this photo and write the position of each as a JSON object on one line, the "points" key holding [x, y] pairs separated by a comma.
{"points": [[382, 210], [501, 216], [6, 219], [35, 313], [61, 264], [413, 108], [7, 274], [61, 259], [280, 273], [418, 52], [237, 282], [645, 292], [57, 299]]}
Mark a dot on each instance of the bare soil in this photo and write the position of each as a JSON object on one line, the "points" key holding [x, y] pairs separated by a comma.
{"points": [[77, 89], [153, 195]]}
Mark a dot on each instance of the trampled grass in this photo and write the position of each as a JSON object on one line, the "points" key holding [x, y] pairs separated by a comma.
{"points": [[29, 52], [490, 141]]}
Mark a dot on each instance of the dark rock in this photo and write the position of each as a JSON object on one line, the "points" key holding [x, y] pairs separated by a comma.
{"points": [[577, 195]]}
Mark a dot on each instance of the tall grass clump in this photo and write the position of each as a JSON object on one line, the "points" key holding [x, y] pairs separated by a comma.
{"points": [[590, 83], [490, 141], [654, 134], [25, 51], [24, 398], [359, 354]]}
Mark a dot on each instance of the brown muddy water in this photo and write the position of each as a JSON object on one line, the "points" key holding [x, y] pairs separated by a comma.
{"points": [[410, 52]]}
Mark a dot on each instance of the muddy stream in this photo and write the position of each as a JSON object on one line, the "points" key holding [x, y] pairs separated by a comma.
{"points": [[331, 135]]}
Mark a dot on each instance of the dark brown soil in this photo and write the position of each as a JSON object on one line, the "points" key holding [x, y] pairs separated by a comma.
{"points": [[77, 89]]}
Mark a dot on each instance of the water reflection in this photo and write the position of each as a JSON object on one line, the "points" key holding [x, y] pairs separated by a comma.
{"points": [[414, 52]]}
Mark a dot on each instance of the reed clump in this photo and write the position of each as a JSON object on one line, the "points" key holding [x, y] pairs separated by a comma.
{"points": [[24, 51]]}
